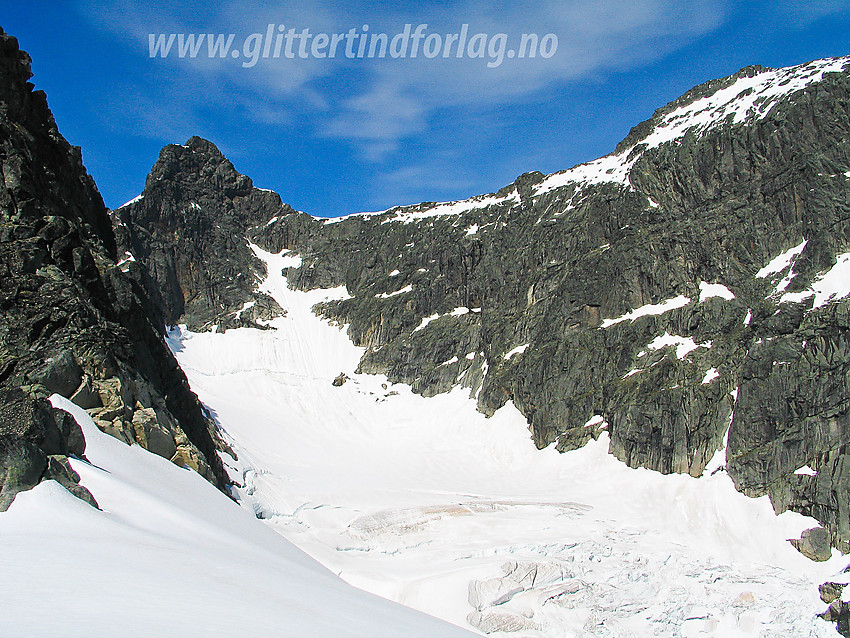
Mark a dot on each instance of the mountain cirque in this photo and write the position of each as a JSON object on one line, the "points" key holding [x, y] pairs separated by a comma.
{"points": [[625, 293], [688, 292]]}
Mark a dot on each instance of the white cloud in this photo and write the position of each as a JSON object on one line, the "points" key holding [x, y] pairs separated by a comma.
{"points": [[379, 118]]}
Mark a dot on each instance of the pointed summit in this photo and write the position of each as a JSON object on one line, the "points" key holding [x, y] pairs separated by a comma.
{"points": [[192, 168], [188, 230]]}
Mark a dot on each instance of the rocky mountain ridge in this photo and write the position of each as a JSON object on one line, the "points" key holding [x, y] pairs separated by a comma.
{"points": [[688, 293]]}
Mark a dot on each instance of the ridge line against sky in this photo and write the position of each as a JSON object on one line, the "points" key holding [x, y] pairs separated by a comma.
{"points": [[339, 135]]}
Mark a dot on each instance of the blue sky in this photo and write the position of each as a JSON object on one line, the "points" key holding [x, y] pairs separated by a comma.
{"points": [[337, 136]]}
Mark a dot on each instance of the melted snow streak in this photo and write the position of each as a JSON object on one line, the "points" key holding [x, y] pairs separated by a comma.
{"points": [[831, 285], [427, 502], [782, 261], [649, 309], [748, 99]]}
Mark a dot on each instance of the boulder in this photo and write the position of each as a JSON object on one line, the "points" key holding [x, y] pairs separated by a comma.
{"points": [[86, 396], [151, 435], [60, 374], [815, 544]]}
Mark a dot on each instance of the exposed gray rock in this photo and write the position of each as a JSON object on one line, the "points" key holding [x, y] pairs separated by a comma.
{"points": [[830, 591], [838, 613], [815, 544], [58, 469], [61, 374], [151, 435], [86, 396]]}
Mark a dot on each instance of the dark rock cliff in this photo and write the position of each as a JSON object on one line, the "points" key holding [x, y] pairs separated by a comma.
{"points": [[630, 293], [71, 321], [188, 232]]}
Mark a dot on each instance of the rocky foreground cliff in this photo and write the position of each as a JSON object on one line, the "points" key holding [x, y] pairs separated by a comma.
{"points": [[75, 319], [686, 292]]}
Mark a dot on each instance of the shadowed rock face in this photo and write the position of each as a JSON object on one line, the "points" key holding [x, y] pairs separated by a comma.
{"points": [[620, 294], [188, 232], [71, 322]]}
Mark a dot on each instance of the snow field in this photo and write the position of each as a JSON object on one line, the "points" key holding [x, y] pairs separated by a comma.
{"points": [[420, 500]]}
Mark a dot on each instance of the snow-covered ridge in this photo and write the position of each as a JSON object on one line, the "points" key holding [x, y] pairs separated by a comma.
{"points": [[125, 260], [515, 351], [453, 208], [684, 345], [137, 198], [782, 261], [747, 99], [405, 215]]}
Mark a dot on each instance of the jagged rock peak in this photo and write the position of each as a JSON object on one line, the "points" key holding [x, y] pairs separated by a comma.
{"points": [[189, 233], [196, 165]]}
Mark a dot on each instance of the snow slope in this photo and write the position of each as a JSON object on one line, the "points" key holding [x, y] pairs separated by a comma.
{"points": [[426, 502], [168, 555]]}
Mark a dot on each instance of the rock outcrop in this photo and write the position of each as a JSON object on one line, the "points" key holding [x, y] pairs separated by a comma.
{"points": [[71, 321]]}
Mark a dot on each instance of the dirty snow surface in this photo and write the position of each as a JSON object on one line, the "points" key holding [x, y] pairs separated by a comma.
{"points": [[426, 502]]}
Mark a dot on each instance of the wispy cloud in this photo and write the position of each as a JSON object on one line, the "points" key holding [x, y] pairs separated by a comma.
{"points": [[374, 104], [400, 97], [419, 182]]}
